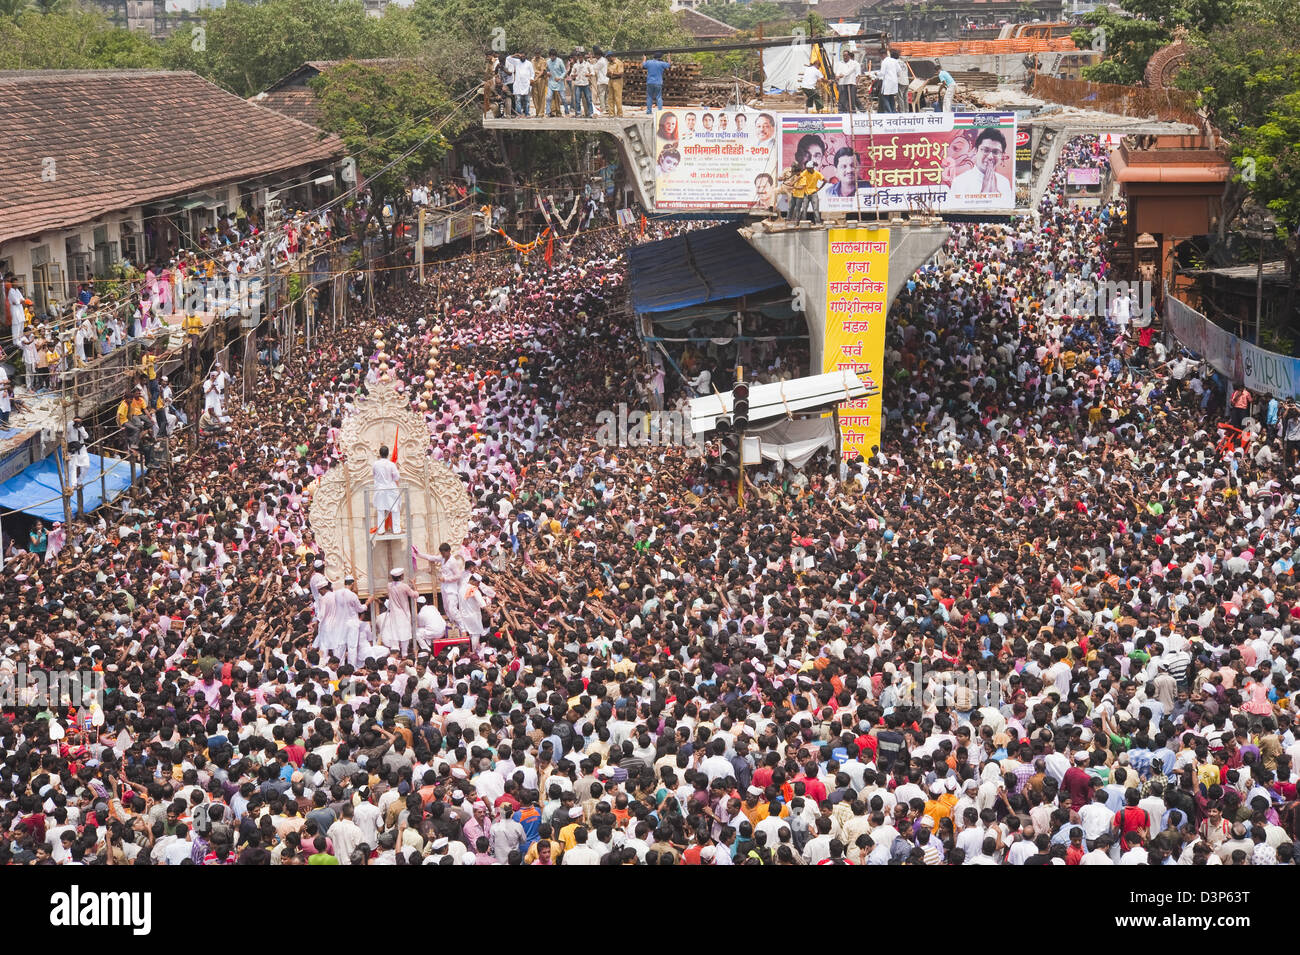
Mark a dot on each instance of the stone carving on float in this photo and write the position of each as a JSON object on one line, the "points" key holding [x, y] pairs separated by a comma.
{"points": [[439, 508]]}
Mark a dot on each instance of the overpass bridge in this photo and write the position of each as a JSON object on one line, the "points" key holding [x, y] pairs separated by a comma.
{"points": [[799, 254]]}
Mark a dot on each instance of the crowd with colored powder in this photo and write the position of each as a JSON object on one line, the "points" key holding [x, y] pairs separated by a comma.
{"points": [[1048, 622]]}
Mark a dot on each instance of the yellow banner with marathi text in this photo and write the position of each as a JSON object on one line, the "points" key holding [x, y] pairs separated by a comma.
{"points": [[857, 280]]}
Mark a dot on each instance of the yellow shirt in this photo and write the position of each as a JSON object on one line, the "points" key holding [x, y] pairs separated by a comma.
{"points": [[807, 182]]}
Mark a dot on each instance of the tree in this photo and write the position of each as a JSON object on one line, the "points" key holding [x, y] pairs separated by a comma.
{"points": [[1126, 43], [396, 121], [746, 16], [245, 48], [1246, 73], [79, 39], [1242, 70], [11, 8], [477, 27]]}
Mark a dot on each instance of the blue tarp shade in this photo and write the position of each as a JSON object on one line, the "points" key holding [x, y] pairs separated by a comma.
{"points": [[36, 490], [696, 268]]}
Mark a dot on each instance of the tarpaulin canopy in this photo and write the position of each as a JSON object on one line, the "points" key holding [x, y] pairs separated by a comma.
{"points": [[709, 265], [36, 490]]}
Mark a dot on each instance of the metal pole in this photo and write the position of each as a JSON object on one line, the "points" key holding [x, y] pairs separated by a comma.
{"points": [[1259, 289], [419, 246], [103, 480], [740, 465], [64, 472]]}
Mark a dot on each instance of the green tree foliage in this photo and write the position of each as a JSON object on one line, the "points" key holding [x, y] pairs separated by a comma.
{"points": [[746, 16], [1126, 42], [1242, 70], [465, 31], [397, 122], [1274, 149], [246, 47], [1247, 73], [1129, 41], [77, 39]]}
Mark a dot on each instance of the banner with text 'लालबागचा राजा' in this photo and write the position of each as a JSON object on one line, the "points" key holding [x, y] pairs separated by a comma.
{"points": [[857, 297]]}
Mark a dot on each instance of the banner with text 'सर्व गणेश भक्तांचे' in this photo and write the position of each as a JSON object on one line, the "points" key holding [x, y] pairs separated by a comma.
{"points": [[715, 158], [943, 162], [857, 296]]}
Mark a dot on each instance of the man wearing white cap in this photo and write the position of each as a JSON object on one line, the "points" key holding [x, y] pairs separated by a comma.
{"points": [[316, 584], [474, 596], [430, 624], [398, 626]]}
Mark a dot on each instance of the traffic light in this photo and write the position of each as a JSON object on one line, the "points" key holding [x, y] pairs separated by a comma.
{"points": [[729, 459], [740, 406]]}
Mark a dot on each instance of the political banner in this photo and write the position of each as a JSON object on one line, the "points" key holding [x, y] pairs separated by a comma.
{"points": [[714, 159], [1083, 176], [1024, 152], [857, 294], [944, 162]]}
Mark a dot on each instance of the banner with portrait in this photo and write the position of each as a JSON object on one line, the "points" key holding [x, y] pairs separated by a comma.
{"points": [[857, 296], [708, 159], [941, 162]]}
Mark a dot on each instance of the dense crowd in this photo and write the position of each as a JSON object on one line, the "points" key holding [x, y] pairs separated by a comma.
{"points": [[1049, 622]]}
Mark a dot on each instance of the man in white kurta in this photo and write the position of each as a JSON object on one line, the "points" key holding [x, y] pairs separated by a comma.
{"points": [[430, 624], [474, 596], [327, 622], [451, 573], [398, 624], [348, 609], [388, 514], [317, 585], [213, 392]]}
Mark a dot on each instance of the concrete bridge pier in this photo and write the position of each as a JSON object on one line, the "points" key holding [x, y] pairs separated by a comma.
{"points": [[801, 254]]}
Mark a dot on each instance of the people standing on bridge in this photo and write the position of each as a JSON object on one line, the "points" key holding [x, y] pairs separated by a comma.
{"points": [[556, 72], [655, 69], [616, 70], [847, 72], [522, 83], [583, 75], [805, 191], [601, 65], [539, 84]]}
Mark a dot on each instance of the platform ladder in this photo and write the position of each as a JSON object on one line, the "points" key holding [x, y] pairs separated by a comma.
{"points": [[385, 539]]}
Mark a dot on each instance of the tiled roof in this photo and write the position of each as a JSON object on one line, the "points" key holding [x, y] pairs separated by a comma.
{"points": [[701, 26], [118, 138], [291, 96], [296, 102], [841, 9]]}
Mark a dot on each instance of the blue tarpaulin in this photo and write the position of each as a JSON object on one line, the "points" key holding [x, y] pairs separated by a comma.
{"points": [[36, 490], [709, 265]]}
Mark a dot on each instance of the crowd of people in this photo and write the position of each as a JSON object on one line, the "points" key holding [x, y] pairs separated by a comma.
{"points": [[1048, 622]]}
